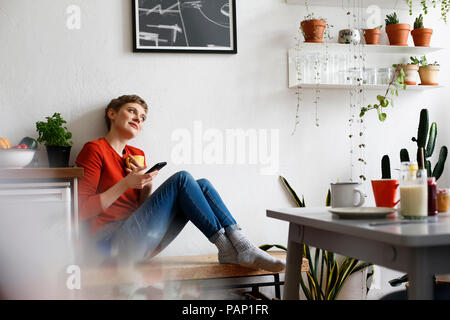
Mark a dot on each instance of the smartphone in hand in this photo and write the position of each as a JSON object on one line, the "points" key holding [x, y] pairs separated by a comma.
{"points": [[157, 166]]}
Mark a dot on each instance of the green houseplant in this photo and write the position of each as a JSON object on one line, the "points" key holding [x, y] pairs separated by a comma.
{"points": [[397, 82], [56, 138], [421, 36], [426, 138], [314, 28], [326, 276], [428, 72], [444, 7], [372, 36], [397, 32], [411, 71]]}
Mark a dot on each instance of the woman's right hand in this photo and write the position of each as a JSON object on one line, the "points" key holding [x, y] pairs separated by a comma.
{"points": [[137, 178]]}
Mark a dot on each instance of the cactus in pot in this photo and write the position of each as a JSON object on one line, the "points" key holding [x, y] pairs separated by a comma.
{"points": [[397, 32], [426, 138], [421, 36]]}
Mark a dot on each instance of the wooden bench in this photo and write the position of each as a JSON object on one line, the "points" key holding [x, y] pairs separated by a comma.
{"points": [[180, 268]]}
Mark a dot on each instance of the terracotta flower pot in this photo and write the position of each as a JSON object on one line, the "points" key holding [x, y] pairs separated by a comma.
{"points": [[313, 30], [398, 34], [372, 36], [429, 75], [422, 37], [410, 73]]}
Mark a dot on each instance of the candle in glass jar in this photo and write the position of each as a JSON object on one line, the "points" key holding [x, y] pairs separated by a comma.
{"points": [[443, 200], [432, 197]]}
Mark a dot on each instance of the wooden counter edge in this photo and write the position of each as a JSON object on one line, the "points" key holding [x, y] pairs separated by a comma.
{"points": [[42, 173]]}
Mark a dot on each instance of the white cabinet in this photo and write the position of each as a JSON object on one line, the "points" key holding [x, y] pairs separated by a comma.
{"points": [[35, 239]]}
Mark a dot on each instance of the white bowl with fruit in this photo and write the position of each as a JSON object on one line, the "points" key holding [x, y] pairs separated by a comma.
{"points": [[17, 156]]}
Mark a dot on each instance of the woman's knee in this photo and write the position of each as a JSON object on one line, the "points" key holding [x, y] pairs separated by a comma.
{"points": [[183, 175], [203, 182]]}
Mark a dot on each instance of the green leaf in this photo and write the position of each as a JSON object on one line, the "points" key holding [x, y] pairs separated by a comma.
{"points": [[292, 192], [305, 289], [431, 140]]}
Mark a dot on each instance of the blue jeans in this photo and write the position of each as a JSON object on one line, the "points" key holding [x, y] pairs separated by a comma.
{"points": [[164, 214]]}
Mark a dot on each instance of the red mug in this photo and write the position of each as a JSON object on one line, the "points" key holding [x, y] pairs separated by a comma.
{"points": [[385, 192]]}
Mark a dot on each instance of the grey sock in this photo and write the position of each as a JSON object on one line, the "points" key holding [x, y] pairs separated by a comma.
{"points": [[250, 256], [227, 253]]}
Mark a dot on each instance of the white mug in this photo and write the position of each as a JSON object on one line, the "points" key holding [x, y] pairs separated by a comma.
{"points": [[343, 194]]}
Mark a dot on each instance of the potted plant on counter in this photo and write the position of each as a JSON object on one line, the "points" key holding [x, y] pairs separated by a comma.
{"points": [[397, 32], [372, 36], [56, 139], [428, 72], [421, 36]]}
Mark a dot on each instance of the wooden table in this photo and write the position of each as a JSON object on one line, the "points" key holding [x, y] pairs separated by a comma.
{"points": [[43, 175], [419, 248]]}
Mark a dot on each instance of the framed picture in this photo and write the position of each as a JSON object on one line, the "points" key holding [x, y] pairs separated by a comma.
{"points": [[207, 26]]}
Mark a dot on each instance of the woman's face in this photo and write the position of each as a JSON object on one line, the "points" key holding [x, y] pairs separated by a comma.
{"points": [[129, 120]]}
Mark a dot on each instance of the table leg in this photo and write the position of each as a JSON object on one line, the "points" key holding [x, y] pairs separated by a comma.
{"points": [[293, 263], [421, 286]]}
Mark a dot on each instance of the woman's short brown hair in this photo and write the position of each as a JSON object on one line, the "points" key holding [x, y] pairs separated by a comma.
{"points": [[117, 103]]}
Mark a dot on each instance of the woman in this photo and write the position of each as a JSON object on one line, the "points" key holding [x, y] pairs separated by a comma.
{"points": [[131, 222]]}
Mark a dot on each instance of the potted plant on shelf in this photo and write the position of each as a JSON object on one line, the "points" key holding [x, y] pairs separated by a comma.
{"points": [[428, 72], [421, 36], [313, 28], [372, 36], [56, 139], [397, 32], [411, 71]]}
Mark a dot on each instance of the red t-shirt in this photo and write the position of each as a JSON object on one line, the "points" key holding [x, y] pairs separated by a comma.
{"points": [[103, 168]]}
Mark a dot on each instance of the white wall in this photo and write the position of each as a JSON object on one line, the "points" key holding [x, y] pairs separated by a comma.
{"points": [[46, 68]]}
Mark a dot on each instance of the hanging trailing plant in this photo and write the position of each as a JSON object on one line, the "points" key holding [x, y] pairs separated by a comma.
{"points": [[397, 82], [424, 5]]}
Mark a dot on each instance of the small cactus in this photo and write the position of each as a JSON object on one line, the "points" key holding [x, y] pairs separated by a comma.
{"points": [[385, 167], [423, 132], [418, 23], [404, 155]]}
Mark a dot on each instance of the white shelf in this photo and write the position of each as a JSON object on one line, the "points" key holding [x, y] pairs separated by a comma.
{"points": [[367, 48], [365, 86], [335, 47], [384, 4]]}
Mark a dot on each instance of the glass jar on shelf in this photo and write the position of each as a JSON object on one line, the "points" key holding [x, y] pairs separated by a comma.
{"points": [[370, 76], [384, 75], [344, 74], [356, 74]]}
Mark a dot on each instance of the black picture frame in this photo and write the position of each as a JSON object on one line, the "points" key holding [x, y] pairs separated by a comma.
{"points": [[146, 37]]}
